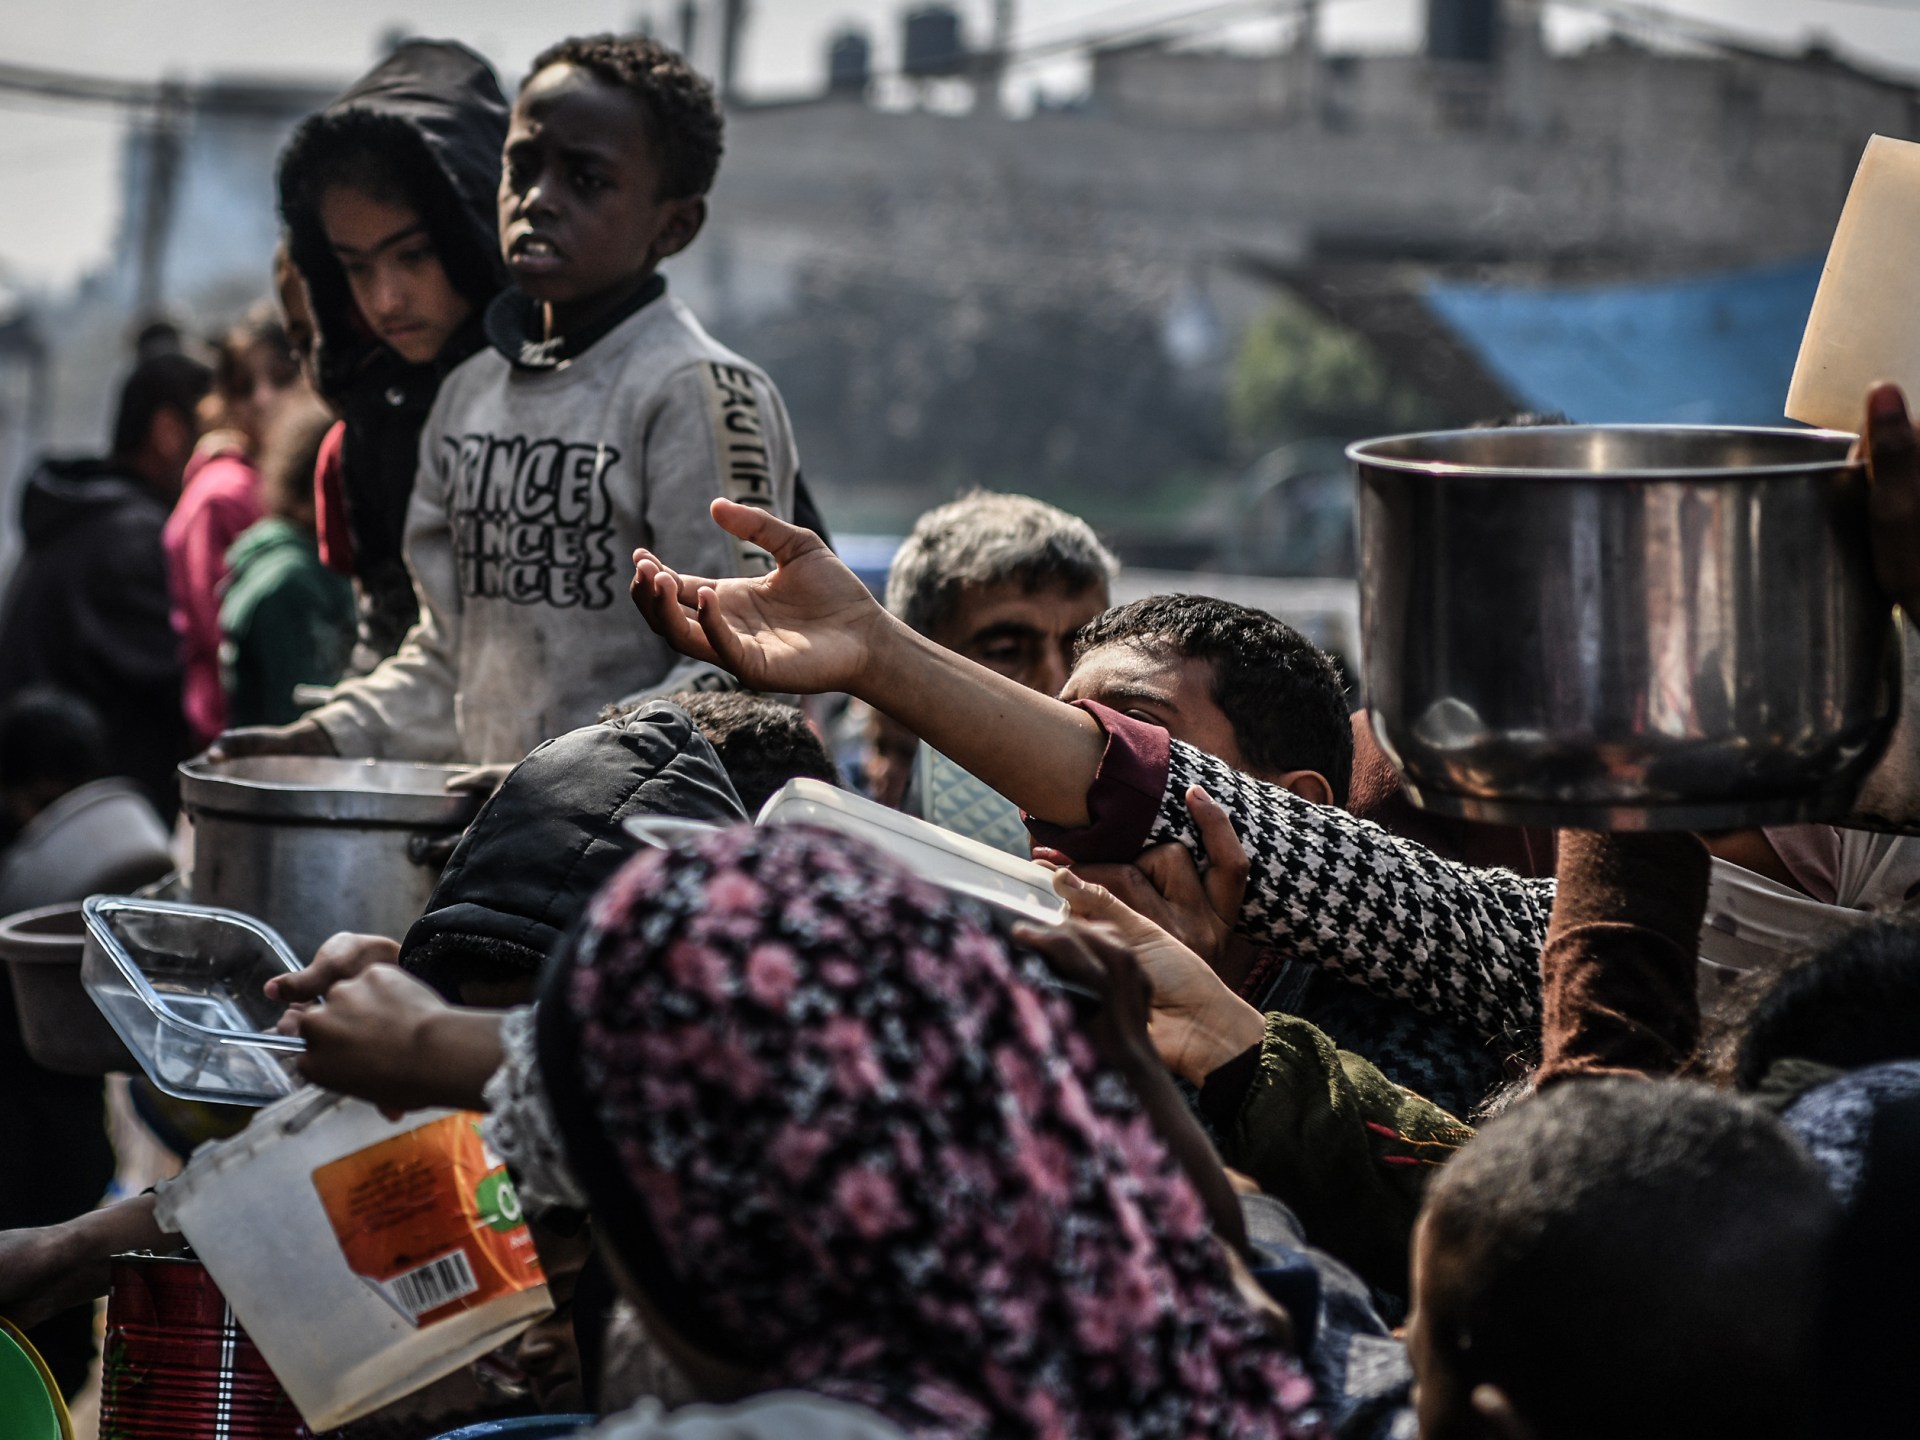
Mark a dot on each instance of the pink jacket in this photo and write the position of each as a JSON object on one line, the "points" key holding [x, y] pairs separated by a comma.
{"points": [[221, 497]]}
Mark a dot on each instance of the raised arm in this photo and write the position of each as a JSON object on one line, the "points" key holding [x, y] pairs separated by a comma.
{"points": [[812, 626], [1387, 913], [1619, 972]]}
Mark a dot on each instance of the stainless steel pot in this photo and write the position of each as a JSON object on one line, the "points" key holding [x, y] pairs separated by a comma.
{"points": [[1624, 627], [317, 845]]}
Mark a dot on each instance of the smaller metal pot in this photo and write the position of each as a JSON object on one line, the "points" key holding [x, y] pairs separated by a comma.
{"points": [[315, 845], [1624, 627]]}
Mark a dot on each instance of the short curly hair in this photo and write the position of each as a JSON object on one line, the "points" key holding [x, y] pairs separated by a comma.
{"points": [[687, 123]]}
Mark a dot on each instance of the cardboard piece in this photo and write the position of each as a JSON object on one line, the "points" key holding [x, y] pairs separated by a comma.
{"points": [[1865, 323]]}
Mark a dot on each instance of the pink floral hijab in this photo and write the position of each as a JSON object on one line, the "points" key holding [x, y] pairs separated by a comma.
{"points": [[840, 1135]]}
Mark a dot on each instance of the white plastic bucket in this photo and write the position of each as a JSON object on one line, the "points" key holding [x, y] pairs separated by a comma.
{"points": [[365, 1257]]}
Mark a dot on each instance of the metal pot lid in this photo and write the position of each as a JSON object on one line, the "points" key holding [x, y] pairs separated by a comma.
{"points": [[326, 789]]}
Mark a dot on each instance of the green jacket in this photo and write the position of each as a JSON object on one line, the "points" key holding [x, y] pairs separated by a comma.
{"points": [[285, 620], [1347, 1149]]}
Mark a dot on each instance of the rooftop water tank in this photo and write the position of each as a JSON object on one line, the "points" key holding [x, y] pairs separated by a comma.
{"points": [[933, 42], [1466, 30], [849, 62]]}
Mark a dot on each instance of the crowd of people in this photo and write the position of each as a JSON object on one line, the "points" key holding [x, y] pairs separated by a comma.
{"points": [[1319, 1116]]}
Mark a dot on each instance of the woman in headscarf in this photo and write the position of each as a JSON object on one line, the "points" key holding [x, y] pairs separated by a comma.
{"points": [[858, 1160]]}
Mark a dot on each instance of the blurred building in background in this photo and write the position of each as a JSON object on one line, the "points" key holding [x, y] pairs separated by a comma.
{"points": [[1163, 303]]}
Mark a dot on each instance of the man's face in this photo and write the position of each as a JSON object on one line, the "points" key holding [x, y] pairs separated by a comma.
{"points": [[1172, 691], [1026, 635], [582, 215]]}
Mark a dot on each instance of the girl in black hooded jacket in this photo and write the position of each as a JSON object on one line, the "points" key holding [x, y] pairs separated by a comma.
{"points": [[388, 197]]}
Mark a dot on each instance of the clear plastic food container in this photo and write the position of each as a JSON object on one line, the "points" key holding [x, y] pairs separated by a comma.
{"points": [[184, 987]]}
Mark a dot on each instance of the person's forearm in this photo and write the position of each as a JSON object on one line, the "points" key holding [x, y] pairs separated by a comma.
{"points": [[1197, 1042], [1619, 968], [1040, 753], [461, 1049], [56, 1267]]}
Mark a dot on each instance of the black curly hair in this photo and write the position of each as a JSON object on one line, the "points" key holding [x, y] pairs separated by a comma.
{"points": [[687, 123], [1854, 1003], [761, 742], [1282, 695]]}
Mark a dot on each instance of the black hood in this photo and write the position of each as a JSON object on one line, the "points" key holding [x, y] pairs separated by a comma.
{"points": [[435, 107], [61, 493], [552, 835]]}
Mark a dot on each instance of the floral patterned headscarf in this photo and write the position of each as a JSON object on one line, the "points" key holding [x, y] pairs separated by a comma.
{"points": [[841, 1133]]}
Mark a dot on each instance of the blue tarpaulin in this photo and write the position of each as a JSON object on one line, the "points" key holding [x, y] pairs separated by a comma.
{"points": [[1716, 349]]}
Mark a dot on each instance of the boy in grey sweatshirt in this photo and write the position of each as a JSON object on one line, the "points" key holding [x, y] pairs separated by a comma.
{"points": [[600, 419]]}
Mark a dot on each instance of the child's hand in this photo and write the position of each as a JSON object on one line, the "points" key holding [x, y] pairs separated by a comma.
{"points": [[302, 737], [341, 957], [385, 1038], [806, 628]]}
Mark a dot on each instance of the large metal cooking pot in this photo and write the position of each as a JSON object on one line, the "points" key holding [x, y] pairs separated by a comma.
{"points": [[316, 845], [1624, 627]]}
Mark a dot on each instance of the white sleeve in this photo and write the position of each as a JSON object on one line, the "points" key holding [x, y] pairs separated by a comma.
{"points": [[719, 430], [403, 708]]}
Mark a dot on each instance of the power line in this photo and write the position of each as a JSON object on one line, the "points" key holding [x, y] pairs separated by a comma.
{"points": [[268, 99], [1709, 35], [249, 99], [1176, 25]]}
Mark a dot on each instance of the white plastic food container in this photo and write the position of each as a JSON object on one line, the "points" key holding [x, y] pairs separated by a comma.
{"points": [[940, 856], [365, 1257]]}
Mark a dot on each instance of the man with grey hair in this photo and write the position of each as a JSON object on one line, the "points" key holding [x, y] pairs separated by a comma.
{"points": [[1005, 580]]}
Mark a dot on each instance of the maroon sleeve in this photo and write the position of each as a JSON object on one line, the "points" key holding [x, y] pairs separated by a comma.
{"points": [[1618, 972], [1124, 798], [330, 503]]}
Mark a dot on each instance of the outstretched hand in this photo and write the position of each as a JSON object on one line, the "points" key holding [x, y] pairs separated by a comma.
{"points": [[300, 737], [340, 957], [810, 626]]}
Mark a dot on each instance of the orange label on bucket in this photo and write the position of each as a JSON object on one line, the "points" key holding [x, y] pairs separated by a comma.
{"points": [[430, 1220]]}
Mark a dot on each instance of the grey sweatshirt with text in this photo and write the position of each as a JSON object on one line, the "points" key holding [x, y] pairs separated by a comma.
{"points": [[534, 489]]}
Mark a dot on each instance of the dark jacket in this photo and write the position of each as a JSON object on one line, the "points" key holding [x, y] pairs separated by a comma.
{"points": [[87, 611], [285, 620], [551, 836], [434, 109], [1322, 1130]]}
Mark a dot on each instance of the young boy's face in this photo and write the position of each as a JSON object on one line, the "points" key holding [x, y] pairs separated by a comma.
{"points": [[582, 217]]}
